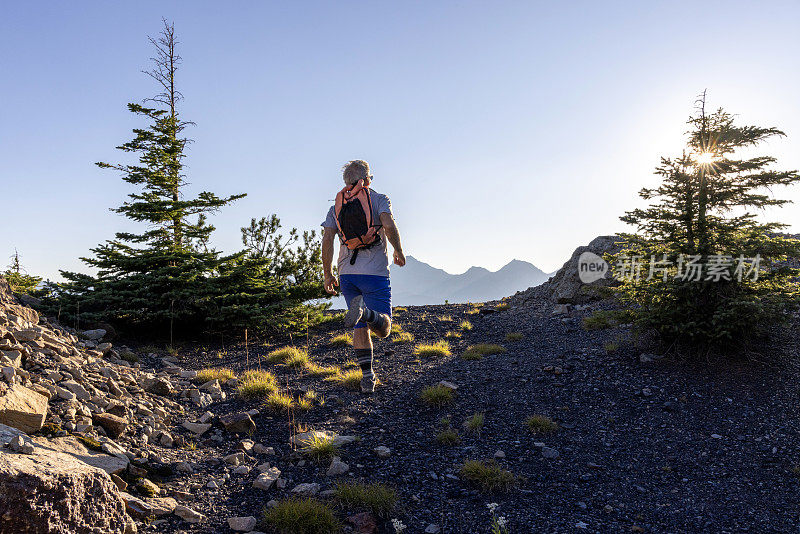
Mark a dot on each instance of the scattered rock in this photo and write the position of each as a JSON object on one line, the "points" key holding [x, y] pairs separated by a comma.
{"points": [[240, 422], [337, 467], [188, 515], [382, 451], [23, 408], [242, 524], [266, 479]]}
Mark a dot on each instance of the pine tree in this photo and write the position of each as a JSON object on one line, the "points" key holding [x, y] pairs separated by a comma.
{"points": [[704, 214], [20, 281], [156, 275]]}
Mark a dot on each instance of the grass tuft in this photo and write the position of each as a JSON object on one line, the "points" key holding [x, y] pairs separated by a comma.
{"points": [[476, 352], [465, 326], [440, 348], [302, 516], [255, 384], [403, 337], [284, 354], [350, 379], [342, 340], [487, 476], [320, 448], [223, 374], [513, 336], [452, 335], [474, 423], [322, 371], [448, 437], [601, 319], [378, 499], [436, 396], [279, 401], [541, 424]]}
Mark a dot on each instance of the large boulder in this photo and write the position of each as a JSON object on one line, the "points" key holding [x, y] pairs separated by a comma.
{"points": [[54, 493], [22, 408], [566, 286]]}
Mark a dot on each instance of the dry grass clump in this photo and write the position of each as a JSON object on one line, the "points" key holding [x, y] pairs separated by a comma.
{"points": [[476, 352], [436, 396], [223, 374], [502, 306], [440, 349], [452, 335], [342, 340], [306, 516], [473, 311], [255, 384], [298, 361], [400, 309], [446, 318], [280, 402], [378, 499], [541, 424], [514, 336], [487, 476], [465, 326]]}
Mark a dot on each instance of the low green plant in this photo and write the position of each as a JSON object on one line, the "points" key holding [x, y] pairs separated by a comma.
{"points": [[320, 448], [378, 499], [278, 401], [476, 352], [487, 476], [601, 319], [322, 371], [223, 374], [611, 347], [514, 336], [297, 361], [301, 516], [283, 354], [437, 396], [350, 379], [257, 384], [129, 356], [342, 340], [89, 443], [541, 424], [438, 349], [474, 423], [448, 436]]}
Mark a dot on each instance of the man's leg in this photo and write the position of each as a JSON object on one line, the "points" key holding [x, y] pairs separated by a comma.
{"points": [[370, 309]]}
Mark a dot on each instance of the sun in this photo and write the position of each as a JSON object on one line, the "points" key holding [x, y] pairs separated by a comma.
{"points": [[705, 158]]}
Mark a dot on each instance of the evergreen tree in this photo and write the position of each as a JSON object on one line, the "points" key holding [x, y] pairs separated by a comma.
{"points": [[20, 281], [158, 274], [704, 214]]}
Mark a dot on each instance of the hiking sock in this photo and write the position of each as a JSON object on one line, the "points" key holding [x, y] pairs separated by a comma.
{"points": [[364, 360], [369, 315]]}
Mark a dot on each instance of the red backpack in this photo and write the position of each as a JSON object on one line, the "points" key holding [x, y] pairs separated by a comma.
{"points": [[353, 210]]}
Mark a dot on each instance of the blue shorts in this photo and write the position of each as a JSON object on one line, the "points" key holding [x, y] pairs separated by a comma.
{"points": [[376, 291]]}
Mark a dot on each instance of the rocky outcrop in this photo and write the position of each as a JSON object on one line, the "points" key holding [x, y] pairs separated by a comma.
{"points": [[566, 286], [22, 408], [52, 492]]}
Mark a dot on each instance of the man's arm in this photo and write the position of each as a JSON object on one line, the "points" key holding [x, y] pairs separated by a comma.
{"points": [[328, 237], [393, 235]]}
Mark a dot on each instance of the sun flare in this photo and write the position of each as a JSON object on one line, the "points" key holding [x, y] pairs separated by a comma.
{"points": [[705, 158]]}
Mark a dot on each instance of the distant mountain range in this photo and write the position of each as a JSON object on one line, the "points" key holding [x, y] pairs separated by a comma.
{"points": [[418, 283]]}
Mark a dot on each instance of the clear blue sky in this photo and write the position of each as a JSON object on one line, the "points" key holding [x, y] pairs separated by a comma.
{"points": [[500, 130]]}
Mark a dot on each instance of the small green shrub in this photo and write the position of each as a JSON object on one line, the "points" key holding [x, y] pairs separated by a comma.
{"points": [[302, 516], [541, 424], [476, 352], [487, 476], [436, 396], [438, 349], [514, 336], [379, 499]]}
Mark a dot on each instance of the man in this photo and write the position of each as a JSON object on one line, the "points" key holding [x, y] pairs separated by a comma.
{"points": [[363, 271]]}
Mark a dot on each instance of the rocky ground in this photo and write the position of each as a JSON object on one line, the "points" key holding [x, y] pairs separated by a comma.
{"points": [[642, 444]]}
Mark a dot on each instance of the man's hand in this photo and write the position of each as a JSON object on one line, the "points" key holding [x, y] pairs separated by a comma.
{"points": [[330, 283], [399, 258]]}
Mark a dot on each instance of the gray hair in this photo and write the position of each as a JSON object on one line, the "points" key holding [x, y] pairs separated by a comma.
{"points": [[355, 170]]}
